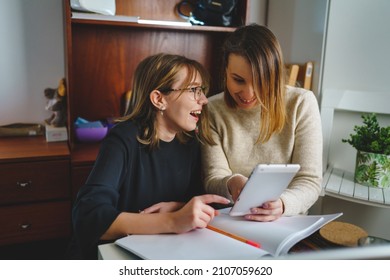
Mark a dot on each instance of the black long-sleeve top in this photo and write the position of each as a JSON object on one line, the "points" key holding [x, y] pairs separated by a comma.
{"points": [[128, 177]]}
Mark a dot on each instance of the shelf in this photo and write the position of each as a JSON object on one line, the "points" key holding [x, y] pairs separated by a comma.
{"points": [[340, 184], [153, 25], [31, 148]]}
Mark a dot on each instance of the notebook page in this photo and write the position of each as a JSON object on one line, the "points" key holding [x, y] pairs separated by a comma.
{"points": [[202, 244], [275, 237]]}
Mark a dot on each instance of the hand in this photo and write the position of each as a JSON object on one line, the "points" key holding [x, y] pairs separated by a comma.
{"points": [[163, 207], [236, 184], [269, 211], [197, 213]]}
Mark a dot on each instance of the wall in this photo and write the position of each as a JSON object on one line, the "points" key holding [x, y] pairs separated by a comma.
{"points": [[356, 58], [31, 57], [258, 11], [357, 46], [300, 26]]}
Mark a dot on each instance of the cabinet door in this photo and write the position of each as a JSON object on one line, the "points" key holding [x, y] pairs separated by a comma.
{"points": [[30, 222], [34, 181]]}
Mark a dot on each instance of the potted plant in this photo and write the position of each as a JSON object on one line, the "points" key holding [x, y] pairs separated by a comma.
{"points": [[372, 143]]}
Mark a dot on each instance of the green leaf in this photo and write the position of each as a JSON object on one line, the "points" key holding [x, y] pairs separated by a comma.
{"points": [[370, 137]]}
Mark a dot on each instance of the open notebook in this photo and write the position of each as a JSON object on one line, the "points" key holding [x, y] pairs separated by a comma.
{"points": [[276, 238]]}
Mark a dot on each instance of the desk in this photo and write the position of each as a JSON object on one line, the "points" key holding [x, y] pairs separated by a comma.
{"points": [[111, 251]]}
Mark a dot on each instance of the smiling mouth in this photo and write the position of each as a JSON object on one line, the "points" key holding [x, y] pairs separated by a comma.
{"points": [[247, 101], [196, 114]]}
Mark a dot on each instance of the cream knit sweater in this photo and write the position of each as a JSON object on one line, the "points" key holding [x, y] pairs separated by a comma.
{"points": [[236, 130]]}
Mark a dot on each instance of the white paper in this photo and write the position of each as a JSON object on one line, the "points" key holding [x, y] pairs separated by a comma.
{"points": [[200, 244], [275, 237]]}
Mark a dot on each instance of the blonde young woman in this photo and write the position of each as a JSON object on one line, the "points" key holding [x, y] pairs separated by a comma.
{"points": [[146, 178], [257, 119]]}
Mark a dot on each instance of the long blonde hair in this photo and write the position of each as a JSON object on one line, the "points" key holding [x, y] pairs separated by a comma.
{"points": [[159, 72], [262, 50]]}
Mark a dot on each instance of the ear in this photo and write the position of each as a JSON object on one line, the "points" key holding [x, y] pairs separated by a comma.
{"points": [[158, 99]]}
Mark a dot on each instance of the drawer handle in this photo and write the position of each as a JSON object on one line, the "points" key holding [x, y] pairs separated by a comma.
{"points": [[25, 226], [24, 184]]}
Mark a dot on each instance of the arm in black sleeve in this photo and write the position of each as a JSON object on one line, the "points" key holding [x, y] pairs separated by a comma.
{"points": [[96, 206]]}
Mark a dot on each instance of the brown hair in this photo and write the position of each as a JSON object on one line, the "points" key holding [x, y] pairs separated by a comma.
{"points": [[159, 72], [259, 46]]}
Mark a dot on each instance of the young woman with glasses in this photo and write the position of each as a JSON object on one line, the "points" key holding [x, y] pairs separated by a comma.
{"points": [[147, 177]]}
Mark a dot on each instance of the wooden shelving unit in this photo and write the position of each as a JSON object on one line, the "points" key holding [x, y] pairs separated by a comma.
{"points": [[101, 57]]}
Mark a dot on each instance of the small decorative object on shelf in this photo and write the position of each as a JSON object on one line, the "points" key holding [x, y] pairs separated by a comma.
{"points": [[21, 129], [56, 103], [372, 143], [87, 131], [207, 12], [104, 7], [55, 134]]}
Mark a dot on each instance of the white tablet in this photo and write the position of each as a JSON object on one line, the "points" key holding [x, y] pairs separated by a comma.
{"points": [[266, 183]]}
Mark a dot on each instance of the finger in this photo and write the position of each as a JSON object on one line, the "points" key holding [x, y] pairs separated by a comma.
{"points": [[266, 212], [213, 198], [152, 209], [205, 217], [235, 193], [206, 213], [272, 204], [261, 218]]}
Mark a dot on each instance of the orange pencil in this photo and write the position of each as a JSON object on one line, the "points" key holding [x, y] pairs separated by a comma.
{"points": [[239, 238]]}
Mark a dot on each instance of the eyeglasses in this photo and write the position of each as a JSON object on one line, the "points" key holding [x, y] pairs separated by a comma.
{"points": [[198, 91]]}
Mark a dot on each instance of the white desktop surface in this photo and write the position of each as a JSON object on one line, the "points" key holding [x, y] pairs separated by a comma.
{"points": [[111, 251]]}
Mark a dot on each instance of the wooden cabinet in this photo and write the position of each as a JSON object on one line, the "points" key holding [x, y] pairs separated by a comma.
{"points": [[101, 56], [34, 181], [34, 190]]}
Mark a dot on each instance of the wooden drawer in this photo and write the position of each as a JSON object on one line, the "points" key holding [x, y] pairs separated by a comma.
{"points": [[34, 181], [32, 222]]}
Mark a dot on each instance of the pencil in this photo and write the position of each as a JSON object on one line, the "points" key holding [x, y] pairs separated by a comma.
{"points": [[239, 238]]}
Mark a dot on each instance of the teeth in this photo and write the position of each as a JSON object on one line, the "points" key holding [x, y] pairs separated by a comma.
{"points": [[196, 112], [246, 100]]}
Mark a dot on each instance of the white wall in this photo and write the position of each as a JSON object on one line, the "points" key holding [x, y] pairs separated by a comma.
{"points": [[31, 57], [358, 45], [300, 25], [258, 11], [357, 57]]}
